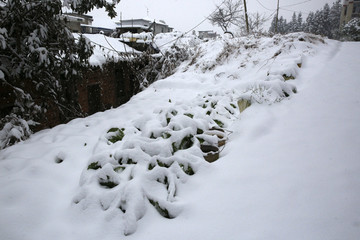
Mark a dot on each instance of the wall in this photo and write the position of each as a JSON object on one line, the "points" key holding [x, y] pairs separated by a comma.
{"points": [[99, 89], [109, 87]]}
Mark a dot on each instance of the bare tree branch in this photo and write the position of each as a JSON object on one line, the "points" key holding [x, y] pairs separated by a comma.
{"points": [[229, 13]]}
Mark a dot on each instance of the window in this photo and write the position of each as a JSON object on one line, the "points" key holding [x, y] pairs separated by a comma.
{"points": [[356, 9]]}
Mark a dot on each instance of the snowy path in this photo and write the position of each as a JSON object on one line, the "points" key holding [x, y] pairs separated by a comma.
{"points": [[291, 171]]}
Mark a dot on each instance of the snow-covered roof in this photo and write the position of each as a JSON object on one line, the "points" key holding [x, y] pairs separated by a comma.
{"points": [[73, 18], [136, 23], [105, 48], [93, 26], [133, 26]]}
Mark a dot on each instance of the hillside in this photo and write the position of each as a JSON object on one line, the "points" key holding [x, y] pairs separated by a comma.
{"points": [[289, 167]]}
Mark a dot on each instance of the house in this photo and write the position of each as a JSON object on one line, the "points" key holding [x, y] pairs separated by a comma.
{"points": [[95, 30], [79, 23], [142, 25], [207, 34], [74, 21], [350, 10]]}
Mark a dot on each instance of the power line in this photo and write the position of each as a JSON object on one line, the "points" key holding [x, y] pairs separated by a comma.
{"points": [[295, 4], [182, 35], [270, 16], [264, 6], [294, 11]]}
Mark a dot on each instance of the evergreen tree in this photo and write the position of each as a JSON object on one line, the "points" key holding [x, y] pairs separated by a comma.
{"points": [[325, 21], [334, 19], [309, 23], [273, 25], [293, 24], [317, 23], [282, 25], [300, 24], [40, 62], [351, 30]]}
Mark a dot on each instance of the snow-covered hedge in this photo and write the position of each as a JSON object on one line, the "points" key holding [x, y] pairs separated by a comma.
{"points": [[351, 30]]}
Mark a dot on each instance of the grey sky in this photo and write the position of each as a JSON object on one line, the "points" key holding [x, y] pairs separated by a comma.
{"points": [[185, 14]]}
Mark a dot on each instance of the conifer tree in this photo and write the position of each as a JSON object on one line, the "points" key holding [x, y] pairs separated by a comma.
{"points": [[309, 24], [293, 24], [351, 30], [325, 21], [300, 24], [334, 18], [272, 26]]}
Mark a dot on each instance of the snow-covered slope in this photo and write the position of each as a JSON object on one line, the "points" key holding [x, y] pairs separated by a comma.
{"points": [[289, 168]]}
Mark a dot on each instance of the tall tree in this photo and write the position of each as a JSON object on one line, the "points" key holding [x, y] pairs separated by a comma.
{"points": [[309, 24], [300, 23], [272, 28], [334, 18], [227, 14], [325, 21], [317, 23], [292, 25], [282, 25]]}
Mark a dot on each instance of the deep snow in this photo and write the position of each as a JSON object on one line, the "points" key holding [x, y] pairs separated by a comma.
{"points": [[289, 169]]}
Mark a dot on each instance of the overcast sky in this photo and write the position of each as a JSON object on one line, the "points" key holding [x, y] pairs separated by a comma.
{"points": [[185, 14]]}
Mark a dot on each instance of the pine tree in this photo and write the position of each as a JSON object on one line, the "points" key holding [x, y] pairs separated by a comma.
{"points": [[317, 23], [325, 21], [39, 62], [300, 22], [283, 26], [334, 18], [272, 26], [309, 24], [293, 24]]}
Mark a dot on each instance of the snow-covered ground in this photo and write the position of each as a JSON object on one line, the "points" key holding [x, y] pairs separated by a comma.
{"points": [[289, 169]]}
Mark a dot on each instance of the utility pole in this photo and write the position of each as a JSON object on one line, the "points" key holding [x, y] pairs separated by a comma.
{"points": [[246, 18], [277, 17]]}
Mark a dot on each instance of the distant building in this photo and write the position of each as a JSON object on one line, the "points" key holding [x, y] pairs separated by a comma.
{"points": [[79, 23], [350, 10], [207, 34], [74, 21], [142, 25], [95, 30]]}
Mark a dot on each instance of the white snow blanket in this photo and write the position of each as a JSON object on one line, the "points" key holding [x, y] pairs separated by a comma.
{"points": [[289, 169]]}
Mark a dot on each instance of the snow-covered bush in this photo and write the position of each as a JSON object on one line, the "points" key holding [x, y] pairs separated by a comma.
{"points": [[15, 130], [143, 163], [351, 31]]}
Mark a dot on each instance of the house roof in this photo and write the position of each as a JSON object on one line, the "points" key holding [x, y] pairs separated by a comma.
{"points": [[77, 15], [129, 23]]}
